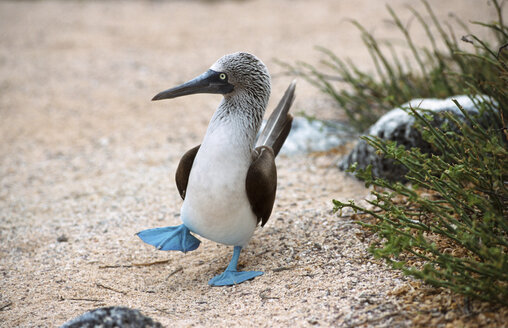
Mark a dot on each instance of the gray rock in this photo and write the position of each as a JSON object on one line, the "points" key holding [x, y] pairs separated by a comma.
{"points": [[109, 317], [308, 136], [397, 125]]}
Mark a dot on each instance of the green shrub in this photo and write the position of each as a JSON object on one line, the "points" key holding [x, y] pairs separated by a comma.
{"points": [[449, 226]]}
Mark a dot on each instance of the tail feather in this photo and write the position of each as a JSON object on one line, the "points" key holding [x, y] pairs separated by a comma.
{"points": [[279, 123], [284, 132]]}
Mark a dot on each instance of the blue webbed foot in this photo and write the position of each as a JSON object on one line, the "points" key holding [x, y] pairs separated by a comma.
{"points": [[231, 276], [228, 278], [176, 238]]}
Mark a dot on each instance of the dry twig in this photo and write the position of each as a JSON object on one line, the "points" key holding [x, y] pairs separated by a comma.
{"points": [[109, 288]]}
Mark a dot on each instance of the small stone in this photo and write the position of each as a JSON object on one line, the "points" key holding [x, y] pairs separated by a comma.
{"points": [[313, 322], [449, 315], [104, 141], [62, 239], [112, 317], [400, 290]]}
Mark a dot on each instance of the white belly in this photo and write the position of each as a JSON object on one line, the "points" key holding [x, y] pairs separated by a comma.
{"points": [[216, 204]]}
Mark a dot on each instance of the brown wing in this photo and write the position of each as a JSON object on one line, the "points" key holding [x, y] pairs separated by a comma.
{"points": [[183, 170], [261, 183]]}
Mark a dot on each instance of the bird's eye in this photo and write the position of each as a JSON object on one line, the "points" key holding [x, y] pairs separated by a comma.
{"points": [[222, 76]]}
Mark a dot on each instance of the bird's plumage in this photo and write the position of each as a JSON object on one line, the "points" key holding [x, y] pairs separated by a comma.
{"points": [[279, 123], [216, 204], [227, 183], [184, 169], [261, 183]]}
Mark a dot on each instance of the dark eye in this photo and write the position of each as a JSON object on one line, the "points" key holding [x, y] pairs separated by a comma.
{"points": [[222, 76]]}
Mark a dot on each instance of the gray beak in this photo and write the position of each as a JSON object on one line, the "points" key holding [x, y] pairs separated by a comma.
{"points": [[208, 82]]}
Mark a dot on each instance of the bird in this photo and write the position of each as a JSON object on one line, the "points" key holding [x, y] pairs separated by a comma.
{"points": [[228, 183]]}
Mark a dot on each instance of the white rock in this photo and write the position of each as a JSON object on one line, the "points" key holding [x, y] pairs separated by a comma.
{"points": [[397, 125]]}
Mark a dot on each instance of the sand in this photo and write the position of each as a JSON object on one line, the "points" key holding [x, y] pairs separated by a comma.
{"points": [[86, 161]]}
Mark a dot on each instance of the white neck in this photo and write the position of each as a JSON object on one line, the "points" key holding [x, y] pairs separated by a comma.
{"points": [[238, 121]]}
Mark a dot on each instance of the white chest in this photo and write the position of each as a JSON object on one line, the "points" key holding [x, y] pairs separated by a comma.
{"points": [[216, 204]]}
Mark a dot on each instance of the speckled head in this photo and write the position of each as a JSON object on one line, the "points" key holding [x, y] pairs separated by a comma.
{"points": [[246, 73], [238, 74]]}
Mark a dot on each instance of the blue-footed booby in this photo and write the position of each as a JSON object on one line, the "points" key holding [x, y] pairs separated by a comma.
{"points": [[228, 183]]}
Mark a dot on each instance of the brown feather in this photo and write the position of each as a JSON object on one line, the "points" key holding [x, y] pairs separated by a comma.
{"points": [[184, 169], [261, 183], [286, 128]]}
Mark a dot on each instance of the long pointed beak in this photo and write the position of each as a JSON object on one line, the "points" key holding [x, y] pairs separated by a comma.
{"points": [[208, 82]]}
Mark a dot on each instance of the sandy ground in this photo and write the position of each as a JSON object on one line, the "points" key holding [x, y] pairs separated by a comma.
{"points": [[86, 161]]}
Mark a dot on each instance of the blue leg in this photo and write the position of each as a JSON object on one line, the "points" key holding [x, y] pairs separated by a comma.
{"points": [[170, 238], [231, 276]]}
